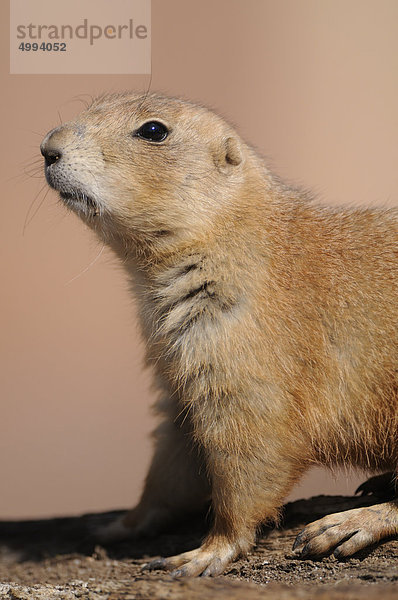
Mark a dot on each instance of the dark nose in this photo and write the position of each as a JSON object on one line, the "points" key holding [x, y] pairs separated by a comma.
{"points": [[50, 149], [50, 156]]}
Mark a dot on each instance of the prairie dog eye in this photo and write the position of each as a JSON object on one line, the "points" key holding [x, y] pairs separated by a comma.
{"points": [[152, 131]]}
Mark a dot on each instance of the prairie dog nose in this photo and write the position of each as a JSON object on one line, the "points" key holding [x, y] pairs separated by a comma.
{"points": [[50, 156], [51, 147]]}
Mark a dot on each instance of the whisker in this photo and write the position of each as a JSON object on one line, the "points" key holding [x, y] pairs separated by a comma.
{"points": [[24, 130], [145, 96], [31, 169], [35, 175], [92, 263], [36, 133], [36, 167], [85, 102], [31, 215], [35, 160], [24, 176]]}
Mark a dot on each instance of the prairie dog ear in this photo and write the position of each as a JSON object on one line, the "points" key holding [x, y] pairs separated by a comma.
{"points": [[227, 154]]}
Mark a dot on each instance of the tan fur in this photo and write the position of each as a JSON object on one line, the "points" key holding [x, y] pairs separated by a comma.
{"points": [[270, 321]]}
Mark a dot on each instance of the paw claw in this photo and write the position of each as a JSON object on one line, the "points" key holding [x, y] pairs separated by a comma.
{"points": [[177, 573], [305, 552], [299, 540], [345, 534], [155, 565], [382, 486], [215, 568], [206, 561]]}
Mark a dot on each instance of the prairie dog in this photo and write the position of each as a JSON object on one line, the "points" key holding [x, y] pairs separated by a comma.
{"points": [[270, 321]]}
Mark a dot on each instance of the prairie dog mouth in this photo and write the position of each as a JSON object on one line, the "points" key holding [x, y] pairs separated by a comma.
{"points": [[77, 197], [72, 193]]}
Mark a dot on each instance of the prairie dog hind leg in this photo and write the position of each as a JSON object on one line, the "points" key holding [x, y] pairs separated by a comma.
{"points": [[176, 485]]}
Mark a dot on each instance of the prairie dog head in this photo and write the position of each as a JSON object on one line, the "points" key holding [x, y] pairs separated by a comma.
{"points": [[145, 165]]}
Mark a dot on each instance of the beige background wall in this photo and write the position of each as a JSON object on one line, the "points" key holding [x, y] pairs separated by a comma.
{"points": [[313, 84]]}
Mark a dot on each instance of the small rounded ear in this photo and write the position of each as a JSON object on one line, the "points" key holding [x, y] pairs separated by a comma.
{"points": [[227, 154]]}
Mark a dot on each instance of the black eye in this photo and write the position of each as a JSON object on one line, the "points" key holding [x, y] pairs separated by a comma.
{"points": [[153, 131]]}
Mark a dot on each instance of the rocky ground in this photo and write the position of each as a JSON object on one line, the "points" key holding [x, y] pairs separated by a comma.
{"points": [[57, 558]]}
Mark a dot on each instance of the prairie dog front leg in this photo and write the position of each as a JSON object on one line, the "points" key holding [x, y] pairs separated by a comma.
{"points": [[247, 489]]}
